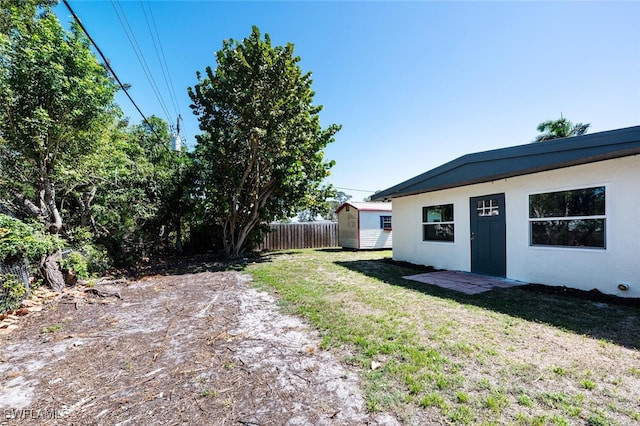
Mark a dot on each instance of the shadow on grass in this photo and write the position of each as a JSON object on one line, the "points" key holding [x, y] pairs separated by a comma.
{"points": [[607, 321], [191, 264]]}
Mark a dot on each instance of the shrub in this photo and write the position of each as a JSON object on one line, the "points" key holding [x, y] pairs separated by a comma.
{"points": [[19, 240], [20, 244], [79, 236], [98, 260], [87, 262], [13, 291], [76, 263]]}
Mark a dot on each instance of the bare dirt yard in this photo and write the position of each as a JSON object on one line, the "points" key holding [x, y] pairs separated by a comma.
{"points": [[195, 347]]}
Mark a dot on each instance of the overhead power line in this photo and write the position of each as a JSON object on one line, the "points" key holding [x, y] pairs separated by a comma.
{"points": [[124, 22], [162, 60], [356, 190], [106, 63]]}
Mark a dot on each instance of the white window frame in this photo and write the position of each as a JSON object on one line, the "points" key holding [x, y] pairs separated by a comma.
{"points": [[384, 220], [569, 218], [449, 222], [488, 209]]}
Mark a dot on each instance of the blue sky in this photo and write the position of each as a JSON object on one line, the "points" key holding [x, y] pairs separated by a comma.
{"points": [[414, 84]]}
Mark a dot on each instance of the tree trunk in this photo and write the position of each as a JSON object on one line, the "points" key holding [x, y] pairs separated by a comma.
{"points": [[179, 232], [26, 205], [50, 202], [50, 270], [85, 200]]}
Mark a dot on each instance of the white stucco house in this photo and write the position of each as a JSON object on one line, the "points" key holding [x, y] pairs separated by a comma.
{"points": [[364, 225], [565, 212]]}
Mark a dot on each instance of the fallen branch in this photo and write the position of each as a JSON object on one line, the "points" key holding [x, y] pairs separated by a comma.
{"points": [[107, 280], [163, 343], [104, 293], [199, 406]]}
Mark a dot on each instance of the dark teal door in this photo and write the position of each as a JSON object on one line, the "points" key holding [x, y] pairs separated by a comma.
{"points": [[488, 235]]}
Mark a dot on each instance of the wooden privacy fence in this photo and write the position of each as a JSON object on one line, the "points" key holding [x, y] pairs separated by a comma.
{"points": [[284, 236]]}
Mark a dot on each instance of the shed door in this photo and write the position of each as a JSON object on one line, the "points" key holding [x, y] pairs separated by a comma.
{"points": [[488, 235]]}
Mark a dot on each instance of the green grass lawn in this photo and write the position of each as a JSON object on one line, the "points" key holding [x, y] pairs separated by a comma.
{"points": [[508, 356]]}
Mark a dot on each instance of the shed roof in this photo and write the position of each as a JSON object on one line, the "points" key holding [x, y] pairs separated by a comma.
{"points": [[368, 206], [519, 160]]}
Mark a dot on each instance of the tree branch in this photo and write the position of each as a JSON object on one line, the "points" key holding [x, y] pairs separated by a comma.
{"points": [[26, 204]]}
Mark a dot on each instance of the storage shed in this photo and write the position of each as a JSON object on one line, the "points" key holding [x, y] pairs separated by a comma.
{"points": [[562, 212], [364, 225]]}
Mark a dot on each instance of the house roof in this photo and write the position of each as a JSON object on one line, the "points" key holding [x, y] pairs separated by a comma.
{"points": [[369, 206], [520, 160]]}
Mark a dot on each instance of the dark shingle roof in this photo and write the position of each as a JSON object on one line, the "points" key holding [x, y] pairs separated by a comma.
{"points": [[520, 160]]}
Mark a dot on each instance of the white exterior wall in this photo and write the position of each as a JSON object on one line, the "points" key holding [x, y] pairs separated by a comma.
{"points": [[371, 235], [580, 268]]}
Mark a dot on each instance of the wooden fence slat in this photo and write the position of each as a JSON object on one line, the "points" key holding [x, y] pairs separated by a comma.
{"points": [[285, 236]]}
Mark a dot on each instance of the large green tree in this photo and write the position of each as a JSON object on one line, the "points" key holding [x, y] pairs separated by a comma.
{"points": [[261, 150], [55, 99], [560, 128], [143, 198], [129, 193], [339, 199]]}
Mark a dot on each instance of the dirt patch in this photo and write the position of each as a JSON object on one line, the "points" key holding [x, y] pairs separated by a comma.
{"points": [[198, 348]]}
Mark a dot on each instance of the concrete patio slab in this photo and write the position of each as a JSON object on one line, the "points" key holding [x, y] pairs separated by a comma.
{"points": [[464, 282]]}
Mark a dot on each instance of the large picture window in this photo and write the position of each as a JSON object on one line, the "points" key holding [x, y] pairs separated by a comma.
{"points": [[437, 223], [574, 218]]}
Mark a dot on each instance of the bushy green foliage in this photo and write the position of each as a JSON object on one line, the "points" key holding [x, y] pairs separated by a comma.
{"points": [[79, 236], [261, 153], [19, 240], [75, 262], [140, 193], [56, 100], [98, 260], [13, 291], [71, 161], [95, 256], [88, 262]]}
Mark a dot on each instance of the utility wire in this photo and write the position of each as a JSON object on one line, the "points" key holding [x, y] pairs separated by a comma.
{"points": [[139, 54], [106, 63], [351, 189], [160, 55], [162, 59]]}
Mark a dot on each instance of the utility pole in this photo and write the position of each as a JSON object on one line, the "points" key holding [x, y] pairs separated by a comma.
{"points": [[176, 139]]}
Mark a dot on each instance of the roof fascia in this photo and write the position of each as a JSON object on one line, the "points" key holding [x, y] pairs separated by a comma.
{"points": [[626, 140]]}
